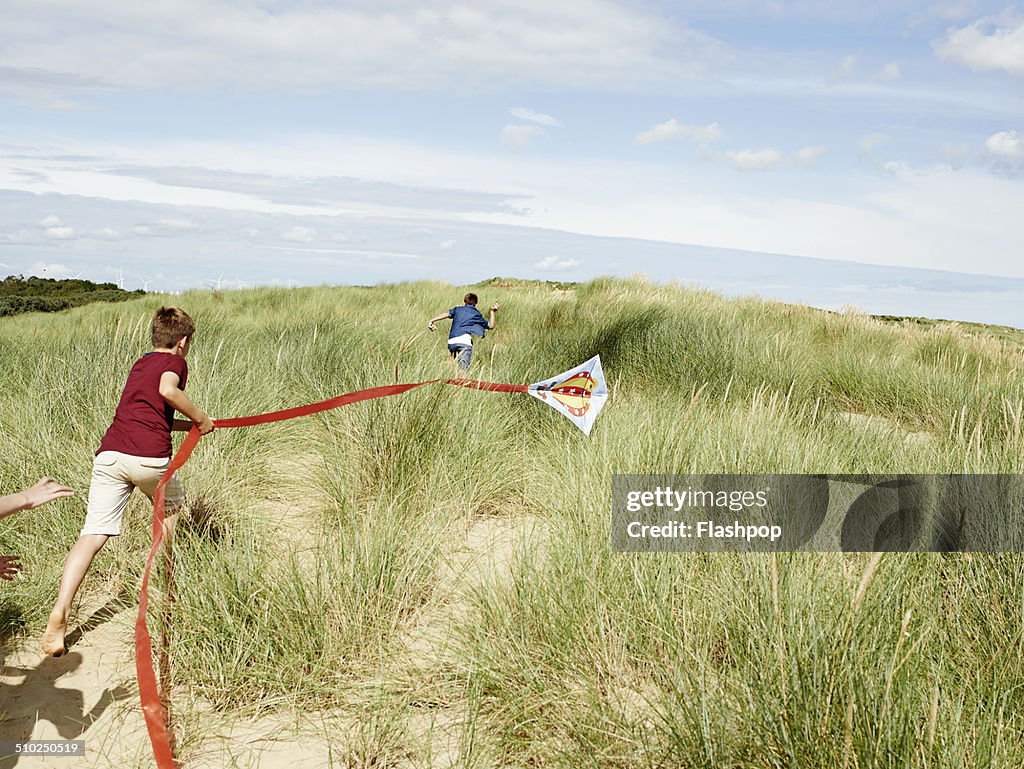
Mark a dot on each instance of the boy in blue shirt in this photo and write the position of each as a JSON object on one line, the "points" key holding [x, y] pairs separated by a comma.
{"points": [[467, 322]]}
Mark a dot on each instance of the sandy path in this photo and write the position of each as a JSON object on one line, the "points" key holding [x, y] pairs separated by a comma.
{"points": [[291, 517], [91, 693], [88, 694], [484, 559], [423, 734], [439, 737], [273, 743]]}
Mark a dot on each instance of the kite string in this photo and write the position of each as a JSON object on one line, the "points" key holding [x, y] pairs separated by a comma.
{"points": [[149, 694]]}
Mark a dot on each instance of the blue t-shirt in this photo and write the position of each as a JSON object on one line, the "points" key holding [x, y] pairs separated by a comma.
{"points": [[466, 320]]}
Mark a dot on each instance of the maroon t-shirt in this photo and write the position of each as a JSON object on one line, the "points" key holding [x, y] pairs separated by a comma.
{"points": [[143, 420]]}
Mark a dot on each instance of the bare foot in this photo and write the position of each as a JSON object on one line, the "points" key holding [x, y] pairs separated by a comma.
{"points": [[53, 636]]}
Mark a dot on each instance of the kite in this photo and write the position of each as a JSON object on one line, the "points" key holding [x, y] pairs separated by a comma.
{"points": [[579, 393]]}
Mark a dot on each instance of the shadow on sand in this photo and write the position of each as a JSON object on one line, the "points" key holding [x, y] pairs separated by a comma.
{"points": [[37, 697]]}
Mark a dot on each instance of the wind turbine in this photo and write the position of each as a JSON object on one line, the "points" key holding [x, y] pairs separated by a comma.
{"points": [[145, 284]]}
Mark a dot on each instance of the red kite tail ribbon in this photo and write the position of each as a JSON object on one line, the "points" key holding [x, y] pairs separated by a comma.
{"points": [[156, 722]]}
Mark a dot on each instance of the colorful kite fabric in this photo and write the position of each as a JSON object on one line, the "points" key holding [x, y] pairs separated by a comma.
{"points": [[579, 393]]}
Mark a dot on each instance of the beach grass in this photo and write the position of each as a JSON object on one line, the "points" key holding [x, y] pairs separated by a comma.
{"points": [[317, 547]]}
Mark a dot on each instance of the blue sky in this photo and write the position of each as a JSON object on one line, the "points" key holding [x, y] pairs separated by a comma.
{"points": [[179, 143]]}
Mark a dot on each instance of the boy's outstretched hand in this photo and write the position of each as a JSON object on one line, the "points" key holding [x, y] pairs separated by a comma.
{"points": [[495, 307], [44, 490], [205, 425], [9, 566]]}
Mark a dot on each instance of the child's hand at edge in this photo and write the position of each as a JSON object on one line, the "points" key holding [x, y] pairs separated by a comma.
{"points": [[9, 566], [44, 490]]}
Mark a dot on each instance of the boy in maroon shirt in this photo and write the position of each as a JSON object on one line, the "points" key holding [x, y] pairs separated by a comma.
{"points": [[134, 453]]}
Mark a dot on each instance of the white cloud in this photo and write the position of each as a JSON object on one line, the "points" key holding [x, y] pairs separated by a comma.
{"points": [[753, 160], [299, 235], [966, 221], [904, 169], [21, 236], [361, 252], [392, 43], [807, 155], [447, 245], [515, 137], [991, 43], [768, 158], [673, 129], [890, 71], [524, 113], [167, 226], [51, 221], [177, 224], [847, 66], [1006, 144], [106, 233], [557, 264], [868, 142], [61, 232], [850, 70], [616, 198]]}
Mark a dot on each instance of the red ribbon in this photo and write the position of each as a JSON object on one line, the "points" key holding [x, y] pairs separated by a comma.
{"points": [[149, 694]]}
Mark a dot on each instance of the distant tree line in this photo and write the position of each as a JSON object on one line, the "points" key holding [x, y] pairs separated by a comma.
{"points": [[20, 294]]}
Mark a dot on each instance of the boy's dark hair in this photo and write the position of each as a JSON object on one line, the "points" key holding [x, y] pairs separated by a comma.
{"points": [[169, 325], [470, 298]]}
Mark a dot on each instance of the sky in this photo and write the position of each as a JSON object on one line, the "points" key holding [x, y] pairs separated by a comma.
{"points": [[169, 145]]}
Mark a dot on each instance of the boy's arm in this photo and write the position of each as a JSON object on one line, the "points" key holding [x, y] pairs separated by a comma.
{"points": [[494, 309], [170, 392], [435, 319], [45, 490]]}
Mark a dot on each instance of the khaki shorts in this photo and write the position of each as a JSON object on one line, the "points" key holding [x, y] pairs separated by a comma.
{"points": [[114, 476]]}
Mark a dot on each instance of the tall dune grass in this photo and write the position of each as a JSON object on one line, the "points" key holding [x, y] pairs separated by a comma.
{"points": [[582, 656]]}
